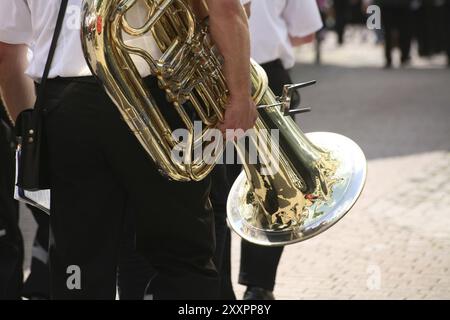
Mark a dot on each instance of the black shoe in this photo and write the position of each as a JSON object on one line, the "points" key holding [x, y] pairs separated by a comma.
{"points": [[256, 293]]}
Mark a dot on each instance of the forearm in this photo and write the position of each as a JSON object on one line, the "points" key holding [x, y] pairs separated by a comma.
{"points": [[17, 90], [229, 30], [298, 41]]}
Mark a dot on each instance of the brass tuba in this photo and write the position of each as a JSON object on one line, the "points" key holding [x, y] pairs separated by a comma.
{"points": [[318, 177]]}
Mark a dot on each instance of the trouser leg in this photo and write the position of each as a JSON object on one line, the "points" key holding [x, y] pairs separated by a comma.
{"points": [[134, 271], [447, 30], [87, 203], [259, 265], [219, 194], [226, 286], [174, 220], [388, 17], [37, 284], [341, 7], [405, 34]]}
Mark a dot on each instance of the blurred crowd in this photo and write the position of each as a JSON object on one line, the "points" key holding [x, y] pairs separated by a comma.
{"points": [[403, 21]]}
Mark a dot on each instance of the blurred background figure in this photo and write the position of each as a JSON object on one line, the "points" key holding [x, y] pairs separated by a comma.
{"points": [[447, 30], [343, 13], [396, 17], [416, 27], [341, 10], [432, 27], [320, 35]]}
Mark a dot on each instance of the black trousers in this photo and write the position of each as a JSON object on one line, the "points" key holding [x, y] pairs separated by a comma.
{"points": [[134, 271], [98, 170], [397, 19], [133, 274], [11, 244], [223, 177], [219, 192]]}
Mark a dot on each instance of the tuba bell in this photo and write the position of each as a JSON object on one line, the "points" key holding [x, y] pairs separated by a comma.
{"points": [[318, 176]]}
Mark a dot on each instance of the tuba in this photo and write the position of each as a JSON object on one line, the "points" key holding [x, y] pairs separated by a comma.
{"points": [[318, 176]]}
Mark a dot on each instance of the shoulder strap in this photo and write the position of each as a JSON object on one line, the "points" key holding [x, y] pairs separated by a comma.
{"points": [[48, 64]]}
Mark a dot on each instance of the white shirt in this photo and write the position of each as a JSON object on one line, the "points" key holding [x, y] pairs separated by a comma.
{"points": [[273, 21], [32, 22]]}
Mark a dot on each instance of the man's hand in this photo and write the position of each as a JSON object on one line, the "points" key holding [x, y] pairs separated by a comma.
{"points": [[241, 114]]}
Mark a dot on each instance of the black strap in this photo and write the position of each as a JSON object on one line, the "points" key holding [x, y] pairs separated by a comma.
{"points": [[48, 64]]}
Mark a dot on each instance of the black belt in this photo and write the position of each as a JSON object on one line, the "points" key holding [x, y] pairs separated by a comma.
{"points": [[273, 63], [68, 80], [88, 79]]}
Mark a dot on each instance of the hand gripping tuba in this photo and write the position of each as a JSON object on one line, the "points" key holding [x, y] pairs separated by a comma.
{"points": [[318, 177]]}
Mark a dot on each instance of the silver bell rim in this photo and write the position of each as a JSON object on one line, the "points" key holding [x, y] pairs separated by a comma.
{"points": [[352, 172]]}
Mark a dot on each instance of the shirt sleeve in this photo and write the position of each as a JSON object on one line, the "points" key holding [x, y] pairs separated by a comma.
{"points": [[244, 2], [15, 22], [302, 17]]}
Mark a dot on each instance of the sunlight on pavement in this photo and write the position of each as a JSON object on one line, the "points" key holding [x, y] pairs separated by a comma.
{"points": [[393, 245]]}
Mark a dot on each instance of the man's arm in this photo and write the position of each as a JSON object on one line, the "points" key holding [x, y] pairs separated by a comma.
{"points": [[303, 20], [17, 89], [298, 41], [229, 30]]}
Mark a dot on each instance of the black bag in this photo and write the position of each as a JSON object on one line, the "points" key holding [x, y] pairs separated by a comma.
{"points": [[33, 165]]}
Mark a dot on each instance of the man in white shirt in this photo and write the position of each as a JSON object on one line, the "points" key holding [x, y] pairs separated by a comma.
{"points": [[98, 167], [276, 27]]}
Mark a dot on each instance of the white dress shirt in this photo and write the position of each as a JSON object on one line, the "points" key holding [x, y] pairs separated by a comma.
{"points": [[273, 21], [32, 22]]}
